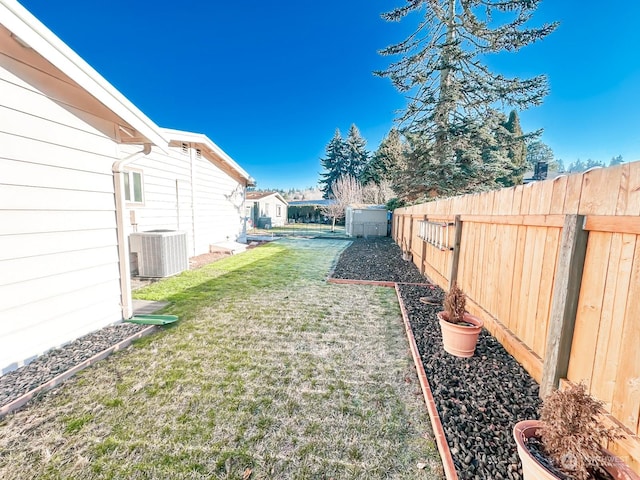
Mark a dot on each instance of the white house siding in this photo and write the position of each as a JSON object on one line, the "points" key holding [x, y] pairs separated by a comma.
{"points": [[218, 205], [167, 194], [186, 192], [59, 276]]}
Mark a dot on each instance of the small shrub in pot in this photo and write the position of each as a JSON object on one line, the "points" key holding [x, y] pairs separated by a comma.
{"points": [[568, 440], [460, 330]]}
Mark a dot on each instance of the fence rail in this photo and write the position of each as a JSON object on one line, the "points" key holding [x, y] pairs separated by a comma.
{"points": [[553, 268]]}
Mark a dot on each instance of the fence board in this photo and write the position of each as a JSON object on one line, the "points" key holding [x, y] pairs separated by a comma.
{"points": [[633, 190], [547, 282], [509, 252], [531, 272], [543, 283], [594, 184], [618, 224], [557, 197], [572, 197], [626, 400], [614, 306], [589, 308]]}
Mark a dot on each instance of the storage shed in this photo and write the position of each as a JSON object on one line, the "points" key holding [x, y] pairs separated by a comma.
{"points": [[366, 220]]}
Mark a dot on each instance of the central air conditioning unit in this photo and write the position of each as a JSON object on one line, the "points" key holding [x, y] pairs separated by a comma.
{"points": [[160, 253]]}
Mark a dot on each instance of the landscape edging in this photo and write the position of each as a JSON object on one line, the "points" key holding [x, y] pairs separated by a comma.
{"points": [[438, 432], [54, 382]]}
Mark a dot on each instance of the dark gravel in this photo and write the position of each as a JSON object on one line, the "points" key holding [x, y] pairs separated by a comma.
{"points": [[51, 364], [479, 399], [376, 258]]}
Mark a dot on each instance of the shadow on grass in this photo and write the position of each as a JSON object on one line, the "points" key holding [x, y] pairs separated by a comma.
{"points": [[269, 267]]}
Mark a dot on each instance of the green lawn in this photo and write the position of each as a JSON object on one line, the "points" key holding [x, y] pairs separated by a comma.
{"points": [[271, 372]]}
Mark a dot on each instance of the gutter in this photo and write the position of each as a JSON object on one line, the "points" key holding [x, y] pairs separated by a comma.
{"points": [[35, 35], [118, 169]]}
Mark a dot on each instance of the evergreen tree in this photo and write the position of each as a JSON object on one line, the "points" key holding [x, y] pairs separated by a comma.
{"points": [[615, 161], [357, 155], [344, 157], [517, 151], [540, 152], [593, 163], [334, 164], [450, 91], [387, 160], [577, 166]]}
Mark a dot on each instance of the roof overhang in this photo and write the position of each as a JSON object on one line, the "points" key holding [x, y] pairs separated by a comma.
{"points": [[35, 44], [215, 154]]}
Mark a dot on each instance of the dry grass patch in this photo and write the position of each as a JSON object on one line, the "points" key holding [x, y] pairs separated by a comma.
{"points": [[271, 369]]}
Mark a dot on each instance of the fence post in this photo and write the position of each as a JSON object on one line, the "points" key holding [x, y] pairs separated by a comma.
{"points": [[455, 260], [424, 251], [564, 306]]}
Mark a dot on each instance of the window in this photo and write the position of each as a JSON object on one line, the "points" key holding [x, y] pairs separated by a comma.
{"points": [[278, 210], [266, 210], [133, 187]]}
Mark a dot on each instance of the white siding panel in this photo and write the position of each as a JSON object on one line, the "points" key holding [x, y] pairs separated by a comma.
{"points": [[40, 289], [35, 198], [38, 175], [18, 98], [59, 273], [217, 218], [15, 222], [30, 126], [34, 151], [24, 269], [18, 348], [19, 246]]}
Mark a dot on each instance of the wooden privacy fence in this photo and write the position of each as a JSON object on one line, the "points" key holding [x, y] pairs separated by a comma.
{"points": [[553, 268]]}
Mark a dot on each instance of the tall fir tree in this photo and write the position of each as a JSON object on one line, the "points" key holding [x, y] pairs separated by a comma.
{"points": [[387, 161], [344, 157], [517, 151], [334, 163], [451, 92], [356, 151], [616, 161]]}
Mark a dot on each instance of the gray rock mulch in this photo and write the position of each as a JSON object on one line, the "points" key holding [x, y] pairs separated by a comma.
{"points": [[479, 399], [378, 259], [45, 367]]}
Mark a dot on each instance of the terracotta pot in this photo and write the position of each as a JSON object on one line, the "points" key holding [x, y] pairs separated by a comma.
{"points": [[460, 340], [533, 470]]}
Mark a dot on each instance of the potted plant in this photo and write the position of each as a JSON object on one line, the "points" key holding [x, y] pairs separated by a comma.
{"points": [[460, 330], [567, 440]]}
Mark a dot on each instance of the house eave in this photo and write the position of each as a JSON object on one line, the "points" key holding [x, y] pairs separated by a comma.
{"points": [[177, 137], [30, 33]]}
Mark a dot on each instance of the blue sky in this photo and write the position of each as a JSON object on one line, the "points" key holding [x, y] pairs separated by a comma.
{"points": [[269, 82]]}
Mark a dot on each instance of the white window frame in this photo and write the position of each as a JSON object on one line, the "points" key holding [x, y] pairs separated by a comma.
{"points": [[278, 210], [129, 186]]}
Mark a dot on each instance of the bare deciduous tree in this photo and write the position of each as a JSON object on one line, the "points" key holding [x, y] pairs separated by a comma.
{"points": [[377, 194], [346, 191]]}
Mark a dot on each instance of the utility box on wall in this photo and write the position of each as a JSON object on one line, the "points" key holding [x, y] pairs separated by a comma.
{"points": [[160, 253], [366, 220]]}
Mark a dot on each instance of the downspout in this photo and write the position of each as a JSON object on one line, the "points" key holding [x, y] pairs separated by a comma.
{"points": [[123, 244]]}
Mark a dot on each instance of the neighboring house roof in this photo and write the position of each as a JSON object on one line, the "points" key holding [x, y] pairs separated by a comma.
{"points": [[34, 40], [319, 202], [263, 195], [366, 206], [176, 137]]}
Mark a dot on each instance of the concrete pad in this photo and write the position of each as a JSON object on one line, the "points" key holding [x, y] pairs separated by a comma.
{"points": [[146, 307]]}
